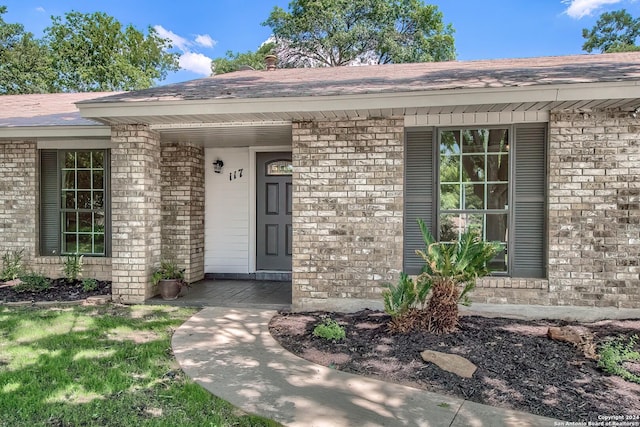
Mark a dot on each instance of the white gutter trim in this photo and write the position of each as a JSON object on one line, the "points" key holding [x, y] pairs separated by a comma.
{"points": [[171, 126], [434, 98], [66, 132]]}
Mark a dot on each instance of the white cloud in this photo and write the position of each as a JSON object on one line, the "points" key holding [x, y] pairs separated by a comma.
{"points": [[205, 40], [580, 8], [196, 62], [40, 9], [189, 60], [177, 41]]}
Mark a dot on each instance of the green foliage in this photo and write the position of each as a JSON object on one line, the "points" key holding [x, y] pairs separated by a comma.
{"points": [[72, 266], [89, 285], [329, 329], [407, 294], [341, 32], [167, 270], [462, 261], [25, 63], [81, 53], [449, 274], [615, 352], [233, 61], [33, 282], [95, 52], [12, 266], [615, 31], [400, 298]]}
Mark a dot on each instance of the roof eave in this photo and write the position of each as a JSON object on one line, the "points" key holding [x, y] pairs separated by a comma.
{"points": [[117, 112]]}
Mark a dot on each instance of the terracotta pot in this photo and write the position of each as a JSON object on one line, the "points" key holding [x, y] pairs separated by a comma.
{"points": [[169, 288]]}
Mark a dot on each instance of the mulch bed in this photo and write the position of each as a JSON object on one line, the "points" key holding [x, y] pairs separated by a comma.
{"points": [[60, 290], [518, 366]]}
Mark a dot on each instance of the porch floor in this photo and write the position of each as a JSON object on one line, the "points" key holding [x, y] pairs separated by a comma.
{"points": [[233, 293]]}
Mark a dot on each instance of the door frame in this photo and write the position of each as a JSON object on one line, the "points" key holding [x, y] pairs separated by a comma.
{"points": [[252, 198]]}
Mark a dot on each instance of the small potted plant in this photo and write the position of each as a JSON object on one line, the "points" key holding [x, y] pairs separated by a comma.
{"points": [[169, 278]]}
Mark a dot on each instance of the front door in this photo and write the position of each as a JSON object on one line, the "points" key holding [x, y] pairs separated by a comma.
{"points": [[273, 216]]}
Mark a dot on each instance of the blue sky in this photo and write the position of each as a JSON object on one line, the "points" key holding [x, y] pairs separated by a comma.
{"points": [[202, 30]]}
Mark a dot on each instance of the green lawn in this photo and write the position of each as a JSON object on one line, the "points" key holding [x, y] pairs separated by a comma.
{"points": [[101, 366]]}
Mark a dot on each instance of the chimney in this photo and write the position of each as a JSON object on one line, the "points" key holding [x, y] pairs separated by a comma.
{"points": [[270, 62]]}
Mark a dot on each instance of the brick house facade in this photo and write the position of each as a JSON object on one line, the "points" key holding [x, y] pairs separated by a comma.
{"points": [[352, 181]]}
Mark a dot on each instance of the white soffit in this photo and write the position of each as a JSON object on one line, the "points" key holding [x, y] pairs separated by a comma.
{"points": [[227, 134], [484, 118]]}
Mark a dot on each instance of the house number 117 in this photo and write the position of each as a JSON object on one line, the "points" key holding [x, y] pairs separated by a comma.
{"points": [[235, 174]]}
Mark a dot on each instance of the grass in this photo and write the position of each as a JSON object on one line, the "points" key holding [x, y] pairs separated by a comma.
{"points": [[101, 366]]}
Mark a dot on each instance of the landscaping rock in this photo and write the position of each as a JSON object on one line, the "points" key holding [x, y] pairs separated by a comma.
{"points": [[10, 283], [450, 362], [579, 337], [98, 300]]}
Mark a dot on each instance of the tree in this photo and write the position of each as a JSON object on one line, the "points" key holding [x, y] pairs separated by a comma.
{"points": [[614, 31], [25, 65], [93, 52], [235, 61], [344, 32]]}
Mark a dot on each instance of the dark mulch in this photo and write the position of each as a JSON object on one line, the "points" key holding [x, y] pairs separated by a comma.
{"points": [[518, 366], [60, 290]]}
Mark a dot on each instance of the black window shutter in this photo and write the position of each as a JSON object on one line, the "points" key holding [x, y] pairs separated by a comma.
{"points": [[418, 194], [49, 204], [529, 212]]}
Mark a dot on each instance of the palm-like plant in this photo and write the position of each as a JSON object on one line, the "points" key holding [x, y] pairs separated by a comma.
{"points": [[462, 261], [450, 272], [400, 298]]}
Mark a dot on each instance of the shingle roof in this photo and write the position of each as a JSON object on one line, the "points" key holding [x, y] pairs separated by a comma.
{"points": [[398, 78], [56, 109]]}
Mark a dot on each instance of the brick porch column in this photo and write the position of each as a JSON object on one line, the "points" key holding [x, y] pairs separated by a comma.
{"points": [[135, 211], [183, 207]]}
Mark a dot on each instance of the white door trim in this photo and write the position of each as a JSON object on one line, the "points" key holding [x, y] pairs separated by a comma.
{"points": [[252, 199]]}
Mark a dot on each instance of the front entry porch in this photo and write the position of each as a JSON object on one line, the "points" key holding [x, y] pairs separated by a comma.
{"points": [[269, 295]]}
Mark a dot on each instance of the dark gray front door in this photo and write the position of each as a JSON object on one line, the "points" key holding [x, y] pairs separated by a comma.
{"points": [[274, 191]]}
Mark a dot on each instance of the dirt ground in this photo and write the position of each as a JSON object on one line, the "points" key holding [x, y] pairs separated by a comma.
{"points": [[518, 366], [60, 290]]}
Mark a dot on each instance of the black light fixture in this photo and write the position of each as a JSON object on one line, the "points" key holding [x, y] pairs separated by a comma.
{"points": [[217, 166]]}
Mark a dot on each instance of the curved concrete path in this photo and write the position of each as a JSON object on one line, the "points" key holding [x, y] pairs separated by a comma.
{"points": [[231, 353]]}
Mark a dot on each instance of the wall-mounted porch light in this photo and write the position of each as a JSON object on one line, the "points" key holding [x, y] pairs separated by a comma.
{"points": [[217, 166]]}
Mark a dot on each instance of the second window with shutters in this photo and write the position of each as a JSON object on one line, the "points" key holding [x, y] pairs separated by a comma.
{"points": [[473, 190], [491, 179]]}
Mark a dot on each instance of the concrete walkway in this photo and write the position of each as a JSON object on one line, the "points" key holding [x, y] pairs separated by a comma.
{"points": [[231, 353]]}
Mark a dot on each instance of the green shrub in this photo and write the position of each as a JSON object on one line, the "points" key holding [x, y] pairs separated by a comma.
{"points": [[167, 270], [72, 266], [33, 282], [89, 285], [329, 329], [406, 295], [400, 298], [12, 266], [615, 352]]}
